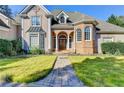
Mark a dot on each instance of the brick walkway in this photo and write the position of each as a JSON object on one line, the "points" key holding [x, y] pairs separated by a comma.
{"points": [[61, 76]]}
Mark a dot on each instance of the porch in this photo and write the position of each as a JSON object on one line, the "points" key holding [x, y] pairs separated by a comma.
{"points": [[63, 41]]}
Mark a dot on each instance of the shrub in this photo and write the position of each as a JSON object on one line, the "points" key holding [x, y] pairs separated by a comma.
{"points": [[17, 45], [5, 47], [112, 48], [36, 51], [117, 52], [1, 55]]}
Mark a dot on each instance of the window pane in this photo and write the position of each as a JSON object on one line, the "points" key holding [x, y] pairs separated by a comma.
{"points": [[87, 33], [79, 35], [62, 19], [33, 41], [70, 42], [35, 20], [54, 38], [42, 41]]}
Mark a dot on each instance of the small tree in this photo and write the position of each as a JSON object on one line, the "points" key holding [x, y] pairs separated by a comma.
{"points": [[6, 10], [115, 20]]}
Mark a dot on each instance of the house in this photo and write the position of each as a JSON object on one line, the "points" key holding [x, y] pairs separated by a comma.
{"points": [[8, 27], [59, 31]]}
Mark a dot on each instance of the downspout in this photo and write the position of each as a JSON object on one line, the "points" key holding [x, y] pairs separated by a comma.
{"points": [[49, 34]]}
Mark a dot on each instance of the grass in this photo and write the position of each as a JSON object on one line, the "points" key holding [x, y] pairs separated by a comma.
{"points": [[99, 71], [25, 70]]}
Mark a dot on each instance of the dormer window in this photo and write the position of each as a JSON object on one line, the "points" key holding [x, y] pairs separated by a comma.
{"points": [[62, 19]]}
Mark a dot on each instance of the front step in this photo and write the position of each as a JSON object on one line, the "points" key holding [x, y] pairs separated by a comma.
{"points": [[64, 52]]}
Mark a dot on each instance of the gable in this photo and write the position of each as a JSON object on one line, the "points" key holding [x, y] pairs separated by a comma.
{"points": [[30, 7], [2, 24], [62, 13]]}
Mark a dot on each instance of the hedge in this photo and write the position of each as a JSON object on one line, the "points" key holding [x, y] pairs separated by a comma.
{"points": [[10, 48], [5, 47], [17, 45], [112, 47]]}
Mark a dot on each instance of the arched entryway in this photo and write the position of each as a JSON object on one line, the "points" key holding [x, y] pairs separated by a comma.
{"points": [[62, 41]]}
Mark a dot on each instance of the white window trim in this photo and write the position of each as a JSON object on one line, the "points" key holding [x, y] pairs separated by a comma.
{"points": [[90, 33], [65, 16], [76, 36], [112, 39], [65, 20], [31, 34], [40, 19]]}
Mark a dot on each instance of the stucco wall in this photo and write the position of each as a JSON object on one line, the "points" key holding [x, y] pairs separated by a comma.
{"points": [[116, 38]]}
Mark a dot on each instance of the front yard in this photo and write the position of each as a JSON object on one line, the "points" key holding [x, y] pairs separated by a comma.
{"points": [[25, 70], [99, 71]]}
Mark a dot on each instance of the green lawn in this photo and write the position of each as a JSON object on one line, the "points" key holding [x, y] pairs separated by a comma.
{"points": [[99, 71], [25, 70]]}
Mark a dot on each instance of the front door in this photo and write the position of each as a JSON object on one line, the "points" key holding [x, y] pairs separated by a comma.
{"points": [[62, 42]]}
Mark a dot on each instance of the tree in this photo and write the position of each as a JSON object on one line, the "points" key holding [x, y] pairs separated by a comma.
{"points": [[6, 10], [115, 20]]}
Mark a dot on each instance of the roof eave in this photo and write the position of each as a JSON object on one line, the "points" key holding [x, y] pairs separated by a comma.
{"points": [[86, 22], [41, 6], [62, 28], [110, 32]]}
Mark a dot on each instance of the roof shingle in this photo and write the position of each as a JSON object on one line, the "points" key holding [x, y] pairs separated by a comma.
{"points": [[104, 27]]}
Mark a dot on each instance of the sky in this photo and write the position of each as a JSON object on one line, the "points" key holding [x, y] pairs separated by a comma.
{"points": [[97, 11]]}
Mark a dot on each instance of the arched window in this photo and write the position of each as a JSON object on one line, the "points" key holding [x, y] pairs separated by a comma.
{"points": [[87, 33], [62, 19], [79, 35]]}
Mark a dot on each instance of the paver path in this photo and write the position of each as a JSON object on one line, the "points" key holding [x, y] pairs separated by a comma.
{"points": [[62, 75]]}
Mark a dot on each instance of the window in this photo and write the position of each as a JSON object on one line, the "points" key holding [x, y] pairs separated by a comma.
{"points": [[35, 20], [54, 40], [62, 19], [87, 33], [70, 42], [79, 35], [107, 39], [33, 40], [42, 41]]}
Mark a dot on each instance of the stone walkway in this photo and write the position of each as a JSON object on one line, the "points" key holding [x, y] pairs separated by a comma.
{"points": [[62, 75]]}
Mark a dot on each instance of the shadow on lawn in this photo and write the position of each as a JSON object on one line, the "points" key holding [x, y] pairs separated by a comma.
{"points": [[6, 68], [101, 71], [6, 61], [107, 60]]}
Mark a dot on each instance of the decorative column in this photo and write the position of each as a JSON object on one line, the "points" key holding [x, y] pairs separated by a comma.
{"points": [[68, 42], [56, 42], [74, 44]]}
